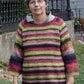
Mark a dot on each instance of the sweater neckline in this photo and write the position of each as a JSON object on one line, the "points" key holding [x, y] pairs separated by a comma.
{"points": [[25, 23]]}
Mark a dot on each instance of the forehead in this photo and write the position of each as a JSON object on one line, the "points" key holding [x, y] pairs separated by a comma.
{"points": [[36, 0]]}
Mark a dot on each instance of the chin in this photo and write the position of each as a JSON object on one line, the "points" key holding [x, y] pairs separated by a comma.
{"points": [[38, 13]]}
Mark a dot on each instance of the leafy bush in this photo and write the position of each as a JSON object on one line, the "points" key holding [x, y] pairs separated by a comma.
{"points": [[76, 22], [22, 10], [81, 20], [3, 64]]}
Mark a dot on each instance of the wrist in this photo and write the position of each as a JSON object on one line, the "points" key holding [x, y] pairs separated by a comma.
{"points": [[70, 80], [15, 80]]}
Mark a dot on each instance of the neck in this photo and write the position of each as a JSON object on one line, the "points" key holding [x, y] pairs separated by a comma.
{"points": [[40, 18]]}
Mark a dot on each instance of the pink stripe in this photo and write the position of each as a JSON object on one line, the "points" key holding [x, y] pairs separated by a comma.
{"points": [[19, 35], [41, 35], [17, 52], [51, 80], [64, 34], [19, 30], [41, 42], [14, 67], [72, 65], [40, 32], [44, 61], [48, 48], [39, 74]]}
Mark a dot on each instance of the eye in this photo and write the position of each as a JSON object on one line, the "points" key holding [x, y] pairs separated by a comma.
{"points": [[32, 2]]}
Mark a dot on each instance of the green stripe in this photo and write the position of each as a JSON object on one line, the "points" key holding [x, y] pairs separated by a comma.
{"points": [[62, 26], [44, 77], [43, 53], [13, 73], [18, 40], [53, 64], [65, 37], [39, 38]]}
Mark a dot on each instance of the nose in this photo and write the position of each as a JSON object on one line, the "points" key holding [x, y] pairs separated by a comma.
{"points": [[36, 3]]}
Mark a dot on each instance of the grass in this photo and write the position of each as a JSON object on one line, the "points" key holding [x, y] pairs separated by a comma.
{"points": [[79, 50], [6, 81], [3, 64]]}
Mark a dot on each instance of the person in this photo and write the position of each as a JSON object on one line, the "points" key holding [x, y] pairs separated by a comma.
{"points": [[43, 52]]}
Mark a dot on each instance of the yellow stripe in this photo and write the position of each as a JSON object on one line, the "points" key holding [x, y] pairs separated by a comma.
{"points": [[50, 52], [53, 64], [62, 26], [44, 77], [65, 37], [38, 38]]}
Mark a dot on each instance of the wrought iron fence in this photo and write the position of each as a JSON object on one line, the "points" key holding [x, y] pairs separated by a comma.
{"points": [[13, 11]]}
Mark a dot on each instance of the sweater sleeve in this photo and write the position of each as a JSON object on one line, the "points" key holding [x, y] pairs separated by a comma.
{"points": [[68, 53], [16, 59]]}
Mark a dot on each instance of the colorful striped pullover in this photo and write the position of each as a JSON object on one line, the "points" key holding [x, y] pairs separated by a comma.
{"points": [[43, 53]]}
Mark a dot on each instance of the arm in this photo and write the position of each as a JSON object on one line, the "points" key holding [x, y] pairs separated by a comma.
{"points": [[16, 59], [15, 78], [68, 54], [70, 80]]}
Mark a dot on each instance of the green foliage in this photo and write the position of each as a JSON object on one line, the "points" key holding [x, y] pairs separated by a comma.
{"points": [[22, 10], [6, 81], [76, 22], [79, 50], [3, 64]]}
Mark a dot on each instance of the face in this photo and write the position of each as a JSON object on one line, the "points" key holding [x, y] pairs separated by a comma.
{"points": [[37, 7]]}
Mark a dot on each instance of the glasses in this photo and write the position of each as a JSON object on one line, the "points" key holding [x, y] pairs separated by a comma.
{"points": [[33, 2]]}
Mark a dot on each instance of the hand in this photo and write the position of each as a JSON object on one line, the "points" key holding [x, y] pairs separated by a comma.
{"points": [[15, 78], [70, 80]]}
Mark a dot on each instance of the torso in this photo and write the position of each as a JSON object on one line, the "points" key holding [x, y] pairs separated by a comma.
{"points": [[43, 63]]}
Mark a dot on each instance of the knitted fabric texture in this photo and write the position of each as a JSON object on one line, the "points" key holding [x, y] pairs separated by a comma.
{"points": [[43, 53]]}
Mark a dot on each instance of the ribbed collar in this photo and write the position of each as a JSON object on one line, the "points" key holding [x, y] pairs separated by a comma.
{"points": [[30, 19]]}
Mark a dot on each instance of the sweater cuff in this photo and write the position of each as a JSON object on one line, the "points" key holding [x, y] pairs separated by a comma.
{"points": [[73, 74], [13, 73]]}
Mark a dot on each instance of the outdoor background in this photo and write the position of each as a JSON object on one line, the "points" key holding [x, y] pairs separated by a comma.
{"points": [[9, 24]]}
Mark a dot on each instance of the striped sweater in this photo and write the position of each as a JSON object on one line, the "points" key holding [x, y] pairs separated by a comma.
{"points": [[43, 53]]}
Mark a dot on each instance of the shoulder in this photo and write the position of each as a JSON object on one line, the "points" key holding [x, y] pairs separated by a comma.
{"points": [[58, 20], [21, 25], [24, 23]]}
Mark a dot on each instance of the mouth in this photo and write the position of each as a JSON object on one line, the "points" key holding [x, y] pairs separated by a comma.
{"points": [[37, 9]]}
